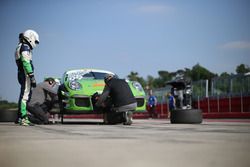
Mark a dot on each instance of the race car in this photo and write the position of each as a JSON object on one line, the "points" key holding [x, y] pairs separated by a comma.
{"points": [[80, 85]]}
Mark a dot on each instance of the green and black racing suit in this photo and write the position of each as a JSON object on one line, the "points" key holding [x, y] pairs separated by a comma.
{"points": [[23, 56]]}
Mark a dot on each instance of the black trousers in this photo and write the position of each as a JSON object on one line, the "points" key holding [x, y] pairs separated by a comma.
{"points": [[38, 114], [152, 112]]}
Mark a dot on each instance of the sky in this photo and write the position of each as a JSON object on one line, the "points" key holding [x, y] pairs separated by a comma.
{"points": [[121, 36]]}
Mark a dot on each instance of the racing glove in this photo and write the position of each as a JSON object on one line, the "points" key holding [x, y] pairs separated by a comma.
{"points": [[32, 80]]}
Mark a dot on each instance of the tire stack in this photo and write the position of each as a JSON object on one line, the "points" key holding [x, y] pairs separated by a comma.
{"points": [[186, 116]]}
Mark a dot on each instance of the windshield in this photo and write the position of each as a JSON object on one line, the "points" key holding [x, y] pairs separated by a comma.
{"points": [[79, 75]]}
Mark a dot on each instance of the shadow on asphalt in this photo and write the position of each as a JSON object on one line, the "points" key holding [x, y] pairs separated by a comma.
{"points": [[80, 123]]}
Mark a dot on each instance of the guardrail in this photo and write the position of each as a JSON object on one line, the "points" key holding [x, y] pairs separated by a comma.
{"points": [[215, 107], [224, 107]]}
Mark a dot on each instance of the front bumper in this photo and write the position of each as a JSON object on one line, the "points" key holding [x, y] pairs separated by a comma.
{"points": [[81, 104]]}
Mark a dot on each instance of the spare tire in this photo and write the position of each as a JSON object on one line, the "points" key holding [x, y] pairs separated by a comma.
{"points": [[186, 116]]}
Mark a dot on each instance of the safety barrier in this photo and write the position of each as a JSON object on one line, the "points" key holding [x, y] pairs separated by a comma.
{"points": [[212, 107], [225, 107]]}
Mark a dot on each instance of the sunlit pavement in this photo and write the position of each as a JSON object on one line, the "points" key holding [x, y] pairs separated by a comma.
{"points": [[147, 143]]}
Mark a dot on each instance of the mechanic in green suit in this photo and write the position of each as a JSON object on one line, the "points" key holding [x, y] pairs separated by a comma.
{"points": [[23, 55]]}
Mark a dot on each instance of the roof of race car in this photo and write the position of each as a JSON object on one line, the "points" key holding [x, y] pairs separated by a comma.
{"points": [[88, 70], [80, 73]]}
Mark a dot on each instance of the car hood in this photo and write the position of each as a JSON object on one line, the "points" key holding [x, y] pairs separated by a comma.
{"points": [[89, 87]]}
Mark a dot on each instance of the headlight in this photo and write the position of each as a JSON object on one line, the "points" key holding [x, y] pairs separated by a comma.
{"points": [[137, 86], [74, 85]]}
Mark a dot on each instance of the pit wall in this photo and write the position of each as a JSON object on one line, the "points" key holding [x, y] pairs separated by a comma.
{"points": [[227, 107], [213, 107]]}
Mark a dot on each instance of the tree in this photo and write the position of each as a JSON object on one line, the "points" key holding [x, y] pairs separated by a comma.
{"points": [[4, 104], [224, 75], [150, 82], [165, 75], [200, 73], [159, 83], [134, 76], [195, 74], [242, 68], [187, 72]]}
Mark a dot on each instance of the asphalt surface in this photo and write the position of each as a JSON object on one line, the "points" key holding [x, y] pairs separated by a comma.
{"points": [[147, 143]]}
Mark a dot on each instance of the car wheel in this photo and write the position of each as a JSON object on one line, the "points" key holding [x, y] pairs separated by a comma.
{"points": [[186, 116], [8, 115]]}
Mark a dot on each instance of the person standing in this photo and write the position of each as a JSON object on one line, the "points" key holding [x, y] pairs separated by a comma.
{"points": [[171, 103], [28, 40], [152, 102]]}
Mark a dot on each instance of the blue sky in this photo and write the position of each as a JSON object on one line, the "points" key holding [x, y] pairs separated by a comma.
{"points": [[123, 36]]}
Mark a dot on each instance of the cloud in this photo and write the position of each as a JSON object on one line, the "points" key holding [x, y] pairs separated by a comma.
{"points": [[236, 45], [155, 8]]}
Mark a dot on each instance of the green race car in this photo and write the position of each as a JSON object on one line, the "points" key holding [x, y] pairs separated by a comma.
{"points": [[78, 87]]}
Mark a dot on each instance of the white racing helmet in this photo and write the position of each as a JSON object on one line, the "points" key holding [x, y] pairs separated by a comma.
{"points": [[32, 37]]}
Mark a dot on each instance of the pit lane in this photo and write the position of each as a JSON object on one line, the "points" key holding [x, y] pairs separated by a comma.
{"points": [[147, 143]]}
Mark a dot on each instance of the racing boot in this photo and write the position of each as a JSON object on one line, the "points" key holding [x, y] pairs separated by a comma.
{"points": [[25, 122], [18, 121]]}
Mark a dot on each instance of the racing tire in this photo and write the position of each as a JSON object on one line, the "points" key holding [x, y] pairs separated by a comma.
{"points": [[8, 115], [186, 116]]}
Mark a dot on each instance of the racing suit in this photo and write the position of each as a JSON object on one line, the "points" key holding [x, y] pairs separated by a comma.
{"points": [[23, 56]]}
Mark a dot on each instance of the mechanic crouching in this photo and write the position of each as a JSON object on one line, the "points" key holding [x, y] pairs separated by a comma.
{"points": [[43, 98], [118, 98]]}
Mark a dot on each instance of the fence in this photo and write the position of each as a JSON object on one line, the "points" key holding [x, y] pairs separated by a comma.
{"points": [[222, 97], [236, 85]]}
